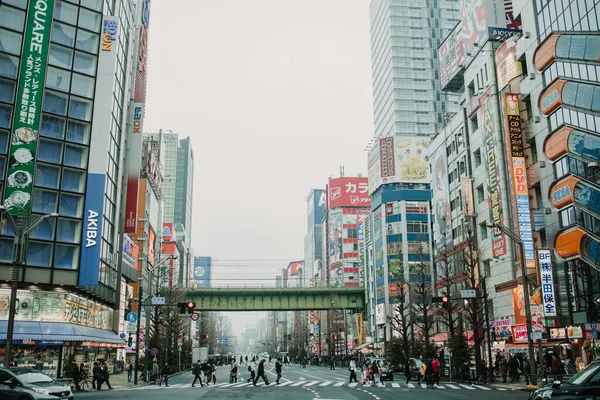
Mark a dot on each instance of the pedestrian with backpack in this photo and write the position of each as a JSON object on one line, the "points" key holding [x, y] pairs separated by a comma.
{"points": [[197, 371]]}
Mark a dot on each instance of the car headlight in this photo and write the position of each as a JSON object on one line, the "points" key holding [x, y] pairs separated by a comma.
{"points": [[546, 394], [40, 390]]}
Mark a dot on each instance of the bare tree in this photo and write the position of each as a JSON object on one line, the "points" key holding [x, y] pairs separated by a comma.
{"points": [[402, 317], [422, 291], [446, 281]]}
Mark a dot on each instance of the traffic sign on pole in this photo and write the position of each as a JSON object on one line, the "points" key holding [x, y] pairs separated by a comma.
{"points": [[195, 316], [158, 301], [154, 351], [593, 325], [132, 317]]}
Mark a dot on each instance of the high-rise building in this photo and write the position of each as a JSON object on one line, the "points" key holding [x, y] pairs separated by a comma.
{"points": [[66, 75], [184, 191], [405, 36], [313, 240]]}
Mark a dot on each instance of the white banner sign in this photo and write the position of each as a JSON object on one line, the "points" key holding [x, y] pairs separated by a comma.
{"points": [[547, 281]]}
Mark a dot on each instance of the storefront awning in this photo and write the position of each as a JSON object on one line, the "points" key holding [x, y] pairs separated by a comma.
{"points": [[59, 332]]}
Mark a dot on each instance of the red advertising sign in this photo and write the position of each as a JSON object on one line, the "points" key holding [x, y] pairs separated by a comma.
{"points": [[168, 233], [386, 157], [151, 246], [349, 192]]}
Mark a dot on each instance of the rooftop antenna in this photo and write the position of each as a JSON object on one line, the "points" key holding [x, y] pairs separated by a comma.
{"points": [[341, 171]]}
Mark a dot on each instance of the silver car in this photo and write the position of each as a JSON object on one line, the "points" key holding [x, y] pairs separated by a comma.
{"points": [[33, 384]]}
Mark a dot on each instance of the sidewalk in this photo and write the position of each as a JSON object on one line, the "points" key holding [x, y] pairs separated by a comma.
{"points": [[119, 380]]}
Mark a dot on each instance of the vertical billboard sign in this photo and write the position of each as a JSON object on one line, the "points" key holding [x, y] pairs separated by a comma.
{"points": [[441, 194], [493, 186], [507, 66], [467, 186], [386, 157], [98, 159], [349, 192], [451, 55], [547, 280], [516, 159], [335, 235], [360, 234], [202, 268], [28, 109], [136, 118]]}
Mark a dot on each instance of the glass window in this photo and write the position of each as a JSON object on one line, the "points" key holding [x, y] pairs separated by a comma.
{"points": [[63, 34], [596, 101], [47, 175], [93, 4], [76, 156], [80, 108], [44, 231], [87, 41], [78, 132], [66, 257], [585, 95], [9, 66], [575, 142], [5, 116], [85, 63], [17, 3], [90, 20], [53, 127], [39, 254], [591, 147], [563, 45], [83, 86], [71, 205], [569, 93], [55, 103], [73, 180], [12, 18], [69, 230], [2, 165], [44, 201], [58, 79], [3, 143], [10, 42], [60, 56], [577, 50], [65, 12], [50, 151], [7, 90]]}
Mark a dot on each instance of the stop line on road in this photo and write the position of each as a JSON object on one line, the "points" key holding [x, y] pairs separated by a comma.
{"points": [[319, 383]]}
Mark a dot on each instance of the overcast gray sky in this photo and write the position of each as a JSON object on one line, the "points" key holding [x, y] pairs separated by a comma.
{"points": [[276, 95]]}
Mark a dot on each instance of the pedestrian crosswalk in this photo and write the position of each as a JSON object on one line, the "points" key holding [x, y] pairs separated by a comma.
{"points": [[316, 383]]}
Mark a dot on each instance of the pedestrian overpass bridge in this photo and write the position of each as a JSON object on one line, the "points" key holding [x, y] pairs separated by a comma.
{"points": [[276, 299]]}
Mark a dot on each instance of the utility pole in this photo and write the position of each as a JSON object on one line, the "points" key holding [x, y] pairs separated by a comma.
{"points": [[517, 240], [18, 261]]}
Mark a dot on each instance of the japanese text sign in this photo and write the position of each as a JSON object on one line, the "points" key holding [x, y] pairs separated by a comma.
{"points": [[386, 157], [26, 119], [349, 192], [547, 282], [515, 133]]}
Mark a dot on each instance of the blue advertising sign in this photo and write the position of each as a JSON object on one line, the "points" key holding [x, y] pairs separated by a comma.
{"points": [[89, 266], [201, 273]]}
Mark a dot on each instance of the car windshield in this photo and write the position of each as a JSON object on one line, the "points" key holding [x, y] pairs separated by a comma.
{"points": [[584, 374], [32, 377]]}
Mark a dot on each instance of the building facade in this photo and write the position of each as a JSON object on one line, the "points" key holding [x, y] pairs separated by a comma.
{"points": [[74, 92]]}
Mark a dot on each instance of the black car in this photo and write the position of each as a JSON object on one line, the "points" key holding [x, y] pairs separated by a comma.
{"points": [[582, 386]]}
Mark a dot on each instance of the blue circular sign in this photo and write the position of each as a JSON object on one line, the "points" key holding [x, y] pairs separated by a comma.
{"points": [[132, 317], [122, 335], [593, 325], [154, 351]]}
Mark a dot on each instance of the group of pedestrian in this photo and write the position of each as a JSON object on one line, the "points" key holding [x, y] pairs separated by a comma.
{"points": [[429, 372], [206, 372], [100, 376], [371, 371]]}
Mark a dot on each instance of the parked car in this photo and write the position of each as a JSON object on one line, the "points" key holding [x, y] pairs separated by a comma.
{"points": [[388, 371], [583, 385], [31, 384], [9, 393]]}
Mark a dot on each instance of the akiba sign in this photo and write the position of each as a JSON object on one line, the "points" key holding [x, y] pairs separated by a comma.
{"points": [[90, 251]]}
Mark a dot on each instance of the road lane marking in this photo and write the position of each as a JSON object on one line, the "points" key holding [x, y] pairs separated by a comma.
{"points": [[353, 384], [452, 386], [311, 383], [410, 385], [481, 387], [395, 385], [326, 383], [284, 383], [339, 384], [467, 387], [298, 383]]}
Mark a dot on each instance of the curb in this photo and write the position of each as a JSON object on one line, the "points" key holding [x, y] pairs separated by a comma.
{"points": [[140, 383]]}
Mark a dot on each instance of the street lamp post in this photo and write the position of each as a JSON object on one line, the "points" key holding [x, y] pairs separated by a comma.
{"points": [[18, 260], [527, 304]]}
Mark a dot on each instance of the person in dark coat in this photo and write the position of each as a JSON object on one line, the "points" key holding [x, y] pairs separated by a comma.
{"points": [[407, 372], [374, 371], [261, 373], [197, 371], [278, 366], [513, 369], [97, 377], [429, 376], [166, 370], [105, 375]]}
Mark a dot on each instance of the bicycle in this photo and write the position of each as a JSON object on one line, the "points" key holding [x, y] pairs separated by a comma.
{"points": [[83, 385]]}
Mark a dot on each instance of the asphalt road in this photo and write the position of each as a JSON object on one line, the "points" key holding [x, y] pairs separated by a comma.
{"points": [[297, 383]]}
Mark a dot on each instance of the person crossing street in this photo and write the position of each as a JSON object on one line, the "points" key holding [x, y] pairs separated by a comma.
{"points": [[352, 369], [261, 373], [278, 366], [252, 370], [197, 371]]}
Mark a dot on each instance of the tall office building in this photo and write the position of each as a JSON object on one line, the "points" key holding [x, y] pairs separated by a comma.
{"points": [[405, 36], [66, 73], [184, 191], [313, 240]]}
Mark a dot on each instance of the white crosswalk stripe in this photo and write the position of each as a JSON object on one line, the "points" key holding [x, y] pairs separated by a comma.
{"points": [[309, 383]]}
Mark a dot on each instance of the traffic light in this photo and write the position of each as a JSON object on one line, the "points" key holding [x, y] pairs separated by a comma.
{"points": [[186, 307], [440, 299], [130, 341]]}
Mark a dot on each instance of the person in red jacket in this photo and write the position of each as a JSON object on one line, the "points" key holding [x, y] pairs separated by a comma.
{"points": [[435, 366]]}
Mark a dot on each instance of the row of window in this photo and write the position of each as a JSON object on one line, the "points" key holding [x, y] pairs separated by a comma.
{"points": [[577, 119], [568, 15]]}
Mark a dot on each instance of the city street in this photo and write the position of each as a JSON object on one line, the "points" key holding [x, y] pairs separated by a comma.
{"points": [[300, 383]]}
